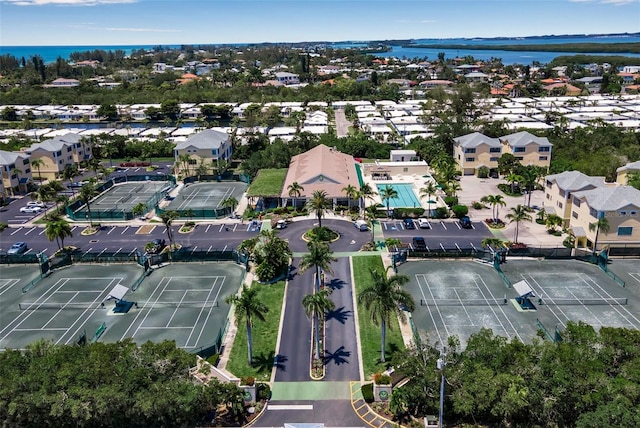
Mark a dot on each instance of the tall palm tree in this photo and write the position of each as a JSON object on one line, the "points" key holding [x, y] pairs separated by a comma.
{"points": [[518, 214], [319, 203], [366, 193], [386, 297], [183, 164], [247, 306], [37, 164], [351, 192], [317, 305], [230, 202], [94, 165], [295, 190], [512, 179], [492, 243], [602, 225], [86, 194], [320, 257], [428, 190], [386, 194], [69, 173], [58, 230], [167, 218], [494, 201]]}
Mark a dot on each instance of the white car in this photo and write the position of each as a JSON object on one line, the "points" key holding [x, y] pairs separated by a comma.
{"points": [[281, 224], [31, 210], [36, 204], [423, 223]]}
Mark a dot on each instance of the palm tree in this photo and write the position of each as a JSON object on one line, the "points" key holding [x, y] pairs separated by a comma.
{"points": [[37, 164], [295, 190], [552, 221], [230, 202], [351, 193], [247, 306], [58, 230], [494, 201], [167, 218], [512, 179], [386, 297], [518, 214], [94, 165], [139, 209], [366, 193], [183, 164], [320, 257], [69, 173], [492, 243], [386, 194], [319, 203], [427, 191], [601, 225], [86, 194], [317, 305]]}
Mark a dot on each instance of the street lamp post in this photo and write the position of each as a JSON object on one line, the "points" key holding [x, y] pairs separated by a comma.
{"points": [[441, 364]]}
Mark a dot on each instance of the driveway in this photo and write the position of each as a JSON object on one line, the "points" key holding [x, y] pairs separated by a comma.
{"points": [[342, 124]]}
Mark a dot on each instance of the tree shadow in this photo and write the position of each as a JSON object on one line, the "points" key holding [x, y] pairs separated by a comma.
{"points": [[292, 272], [264, 363], [336, 284], [338, 357], [338, 314]]}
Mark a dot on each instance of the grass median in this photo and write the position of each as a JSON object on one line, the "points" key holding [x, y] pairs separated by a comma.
{"points": [[370, 334], [265, 335]]}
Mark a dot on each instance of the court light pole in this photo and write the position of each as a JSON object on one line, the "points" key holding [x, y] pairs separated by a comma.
{"points": [[441, 364]]}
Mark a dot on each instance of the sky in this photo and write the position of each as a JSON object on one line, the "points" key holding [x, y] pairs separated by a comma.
{"points": [[153, 22]]}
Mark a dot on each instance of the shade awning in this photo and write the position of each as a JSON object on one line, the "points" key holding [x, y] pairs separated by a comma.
{"points": [[523, 289], [579, 232], [118, 292]]}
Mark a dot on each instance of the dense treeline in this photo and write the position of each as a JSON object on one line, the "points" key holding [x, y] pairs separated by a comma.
{"points": [[590, 380], [107, 385]]}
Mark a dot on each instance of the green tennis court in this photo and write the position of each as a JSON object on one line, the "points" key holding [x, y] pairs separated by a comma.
{"points": [[206, 195], [179, 302]]}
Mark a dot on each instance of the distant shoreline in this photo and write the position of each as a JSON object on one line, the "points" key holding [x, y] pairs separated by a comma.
{"points": [[559, 47]]}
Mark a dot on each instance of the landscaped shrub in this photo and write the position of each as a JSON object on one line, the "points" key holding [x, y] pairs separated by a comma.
{"points": [[478, 205], [450, 200], [381, 379], [569, 241], [441, 212], [3, 226], [263, 391], [247, 380], [408, 212], [460, 211]]}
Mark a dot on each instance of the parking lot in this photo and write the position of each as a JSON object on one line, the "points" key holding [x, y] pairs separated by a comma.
{"points": [[441, 235]]}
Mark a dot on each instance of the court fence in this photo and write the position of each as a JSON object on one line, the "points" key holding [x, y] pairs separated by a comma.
{"points": [[214, 347], [213, 213], [188, 256], [78, 210]]}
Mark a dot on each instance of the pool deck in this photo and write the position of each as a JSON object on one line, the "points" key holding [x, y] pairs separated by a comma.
{"points": [[417, 181]]}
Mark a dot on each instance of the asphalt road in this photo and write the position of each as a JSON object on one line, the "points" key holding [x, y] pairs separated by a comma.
{"points": [[126, 239], [293, 358], [351, 239], [341, 354], [331, 413], [445, 234]]}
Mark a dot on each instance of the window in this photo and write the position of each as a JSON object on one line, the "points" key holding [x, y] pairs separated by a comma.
{"points": [[69, 149], [543, 158], [494, 159], [623, 213], [519, 149], [633, 213], [495, 150], [593, 213], [458, 157], [549, 184], [469, 150], [192, 162], [58, 153], [25, 162], [214, 152], [519, 158], [470, 159], [560, 204], [625, 231], [574, 214], [544, 149], [27, 171], [405, 169]]}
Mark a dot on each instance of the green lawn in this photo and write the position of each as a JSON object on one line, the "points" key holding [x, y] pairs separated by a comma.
{"points": [[370, 333], [265, 335], [268, 182]]}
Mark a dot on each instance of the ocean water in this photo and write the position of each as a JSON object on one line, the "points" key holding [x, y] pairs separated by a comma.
{"points": [[51, 53]]}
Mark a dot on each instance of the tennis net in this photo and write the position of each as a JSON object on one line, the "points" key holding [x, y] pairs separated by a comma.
{"points": [[65, 305], [163, 305], [463, 302], [614, 301]]}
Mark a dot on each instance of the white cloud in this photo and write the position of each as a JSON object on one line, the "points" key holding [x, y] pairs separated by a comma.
{"points": [[65, 2]]}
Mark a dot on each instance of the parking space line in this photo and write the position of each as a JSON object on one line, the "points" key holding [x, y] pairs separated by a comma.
{"points": [[442, 246], [30, 230], [224, 249], [42, 233], [16, 231], [221, 227], [112, 229], [125, 229], [235, 226], [207, 229], [443, 225]]}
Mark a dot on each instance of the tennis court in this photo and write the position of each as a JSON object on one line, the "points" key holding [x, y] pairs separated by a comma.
{"points": [[206, 195], [125, 196], [181, 302], [459, 298]]}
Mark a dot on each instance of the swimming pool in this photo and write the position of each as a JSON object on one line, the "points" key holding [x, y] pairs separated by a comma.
{"points": [[406, 196]]}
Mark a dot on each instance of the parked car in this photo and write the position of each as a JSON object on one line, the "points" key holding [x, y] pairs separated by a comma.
{"points": [[423, 223], [465, 222], [281, 224], [36, 204], [408, 223], [418, 243], [156, 246], [31, 210], [17, 248], [361, 225]]}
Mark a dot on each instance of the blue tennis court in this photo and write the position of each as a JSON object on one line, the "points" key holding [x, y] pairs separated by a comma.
{"points": [[406, 196]]}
